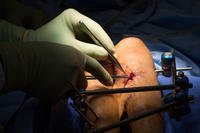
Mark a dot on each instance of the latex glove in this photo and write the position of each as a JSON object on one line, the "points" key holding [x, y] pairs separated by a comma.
{"points": [[65, 29], [46, 70]]}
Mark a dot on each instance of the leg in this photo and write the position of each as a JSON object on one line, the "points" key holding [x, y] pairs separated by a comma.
{"points": [[136, 58]]}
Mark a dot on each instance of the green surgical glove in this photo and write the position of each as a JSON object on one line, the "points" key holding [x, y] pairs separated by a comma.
{"points": [[46, 70], [65, 29], [10, 32]]}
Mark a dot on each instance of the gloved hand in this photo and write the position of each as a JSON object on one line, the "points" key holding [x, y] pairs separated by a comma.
{"points": [[65, 29], [47, 70]]}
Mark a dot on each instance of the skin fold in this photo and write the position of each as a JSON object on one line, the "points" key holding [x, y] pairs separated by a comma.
{"points": [[137, 61]]}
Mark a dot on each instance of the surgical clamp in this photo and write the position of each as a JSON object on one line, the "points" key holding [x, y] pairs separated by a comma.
{"points": [[126, 76]]}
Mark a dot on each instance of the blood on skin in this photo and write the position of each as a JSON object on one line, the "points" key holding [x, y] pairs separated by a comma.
{"points": [[131, 76]]}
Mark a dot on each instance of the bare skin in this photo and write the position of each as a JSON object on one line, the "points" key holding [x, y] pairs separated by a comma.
{"points": [[137, 61]]}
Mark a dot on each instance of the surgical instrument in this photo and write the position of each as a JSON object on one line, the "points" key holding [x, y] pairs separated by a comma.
{"points": [[126, 76], [134, 89], [100, 43], [178, 69], [113, 76], [81, 106]]}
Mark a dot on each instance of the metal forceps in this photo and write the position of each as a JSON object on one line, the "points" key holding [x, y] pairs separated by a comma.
{"points": [[114, 60], [113, 76]]}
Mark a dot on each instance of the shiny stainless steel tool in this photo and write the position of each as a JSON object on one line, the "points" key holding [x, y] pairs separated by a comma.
{"points": [[178, 69], [114, 60], [113, 76]]}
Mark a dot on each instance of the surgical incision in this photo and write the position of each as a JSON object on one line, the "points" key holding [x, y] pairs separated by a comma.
{"points": [[131, 76]]}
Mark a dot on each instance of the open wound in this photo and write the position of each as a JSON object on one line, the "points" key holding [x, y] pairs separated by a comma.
{"points": [[131, 76]]}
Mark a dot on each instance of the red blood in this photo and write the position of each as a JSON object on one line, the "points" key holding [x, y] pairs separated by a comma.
{"points": [[131, 76]]}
